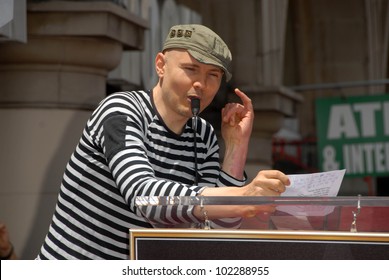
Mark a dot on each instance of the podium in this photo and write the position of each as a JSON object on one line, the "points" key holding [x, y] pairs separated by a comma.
{"points": [[351, 227]]}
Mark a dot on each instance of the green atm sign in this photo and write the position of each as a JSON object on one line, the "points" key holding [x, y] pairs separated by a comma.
{"points": [[353, 133]]}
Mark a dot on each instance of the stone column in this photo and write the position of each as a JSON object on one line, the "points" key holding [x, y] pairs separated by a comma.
{"points": [[377, 25], [48, 88]]}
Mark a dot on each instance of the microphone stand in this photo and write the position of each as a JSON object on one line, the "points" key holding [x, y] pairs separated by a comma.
{"points": [[195, 106]]}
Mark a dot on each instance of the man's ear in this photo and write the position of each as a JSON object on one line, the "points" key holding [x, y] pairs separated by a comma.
{"points": [[160, 64]]}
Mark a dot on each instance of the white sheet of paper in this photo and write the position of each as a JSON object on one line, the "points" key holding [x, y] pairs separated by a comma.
{"points": [[321, 184], [315, 184]]}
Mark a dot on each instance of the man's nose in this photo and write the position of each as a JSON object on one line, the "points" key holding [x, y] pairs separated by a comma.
{"points": [[200, 82]]}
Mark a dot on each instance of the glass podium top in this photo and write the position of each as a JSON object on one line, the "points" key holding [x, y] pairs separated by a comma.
{"points": [[341, 213], [375, 201]]}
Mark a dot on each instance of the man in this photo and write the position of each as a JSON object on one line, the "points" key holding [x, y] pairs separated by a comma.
{"points": [[142, 143]]}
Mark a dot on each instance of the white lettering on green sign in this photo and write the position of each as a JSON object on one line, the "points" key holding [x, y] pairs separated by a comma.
{"points": [[343, 122], [366, 158], [353, 133]]}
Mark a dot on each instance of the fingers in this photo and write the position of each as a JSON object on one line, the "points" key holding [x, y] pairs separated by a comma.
{"points": [[266, 183], [271, 182], [275, 175], [272, 191], [231, 113], [232, 110], [245, 99]]}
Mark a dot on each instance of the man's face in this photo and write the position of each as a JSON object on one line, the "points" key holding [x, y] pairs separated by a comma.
{"points": [[183, 78]]}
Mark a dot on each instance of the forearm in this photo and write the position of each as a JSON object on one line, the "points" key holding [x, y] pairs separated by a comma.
{"points": [[220, 211], [266, 183], [234, 160], [237, 122]]}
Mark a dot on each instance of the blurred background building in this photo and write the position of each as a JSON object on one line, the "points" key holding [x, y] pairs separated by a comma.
{"points": [[58, 59]]}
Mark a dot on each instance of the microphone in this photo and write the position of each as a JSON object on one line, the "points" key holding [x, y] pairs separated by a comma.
{"points": [[195, 105]]}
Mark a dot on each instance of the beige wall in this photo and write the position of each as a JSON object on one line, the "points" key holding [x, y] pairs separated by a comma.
{"points": [[35, 146]]}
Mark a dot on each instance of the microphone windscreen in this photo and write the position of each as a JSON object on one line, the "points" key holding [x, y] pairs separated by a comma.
{"points": [[195, 104]]}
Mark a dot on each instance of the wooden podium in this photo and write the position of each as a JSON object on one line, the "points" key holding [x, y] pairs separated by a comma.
{"points": [[299, 228]]}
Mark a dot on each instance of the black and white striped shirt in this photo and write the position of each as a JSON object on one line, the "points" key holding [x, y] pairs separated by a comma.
{"points": [[126, 151]]}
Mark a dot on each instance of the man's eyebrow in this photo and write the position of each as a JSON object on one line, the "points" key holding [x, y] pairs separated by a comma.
{"points": [[189, 64], [195, 65]]}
